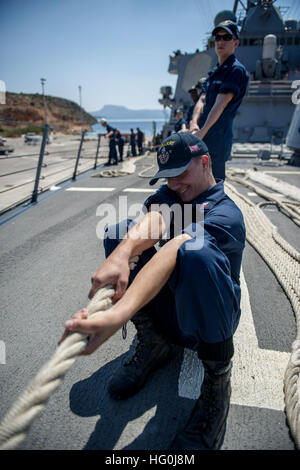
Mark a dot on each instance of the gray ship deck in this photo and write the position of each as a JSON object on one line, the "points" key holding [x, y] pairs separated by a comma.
{"points": [[48, 254]]}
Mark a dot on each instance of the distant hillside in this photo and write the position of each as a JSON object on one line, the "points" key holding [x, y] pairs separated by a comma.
{"points": [[28, 109], [110, 111]]}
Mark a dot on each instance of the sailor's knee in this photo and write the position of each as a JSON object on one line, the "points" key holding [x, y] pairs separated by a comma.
{"points": [[114, 233], [117, 231], [195, 252]]}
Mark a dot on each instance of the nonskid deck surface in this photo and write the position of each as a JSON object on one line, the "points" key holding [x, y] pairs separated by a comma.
{"points": [[48, 254]]}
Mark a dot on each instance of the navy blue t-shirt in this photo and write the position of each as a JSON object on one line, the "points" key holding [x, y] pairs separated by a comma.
{"points": [[223, 221], [110, 128], [230, 77]]}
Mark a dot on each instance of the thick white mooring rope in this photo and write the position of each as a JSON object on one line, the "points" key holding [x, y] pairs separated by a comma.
{"points": [[284, 261], [32, 401], [289, 207], [15, 425]]}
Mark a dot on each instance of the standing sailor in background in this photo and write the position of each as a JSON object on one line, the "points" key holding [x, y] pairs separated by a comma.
{"points": [[223, 91], [120, 143], [140, 140], [181, 124], [199, 85], [194, 94], [111, 131], [132, 143]]}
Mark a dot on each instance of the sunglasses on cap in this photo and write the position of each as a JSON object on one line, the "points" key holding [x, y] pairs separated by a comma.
{"points": [[225, 37]]}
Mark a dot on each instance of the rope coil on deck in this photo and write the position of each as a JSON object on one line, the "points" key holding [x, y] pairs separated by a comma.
{"points": [[127, 168], [284, 261]]}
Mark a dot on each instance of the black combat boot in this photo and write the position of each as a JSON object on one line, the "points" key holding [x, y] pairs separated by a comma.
{"points": [[152, 351], [206, 427]]}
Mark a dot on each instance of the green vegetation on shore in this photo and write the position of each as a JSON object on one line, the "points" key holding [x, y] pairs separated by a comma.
{"points": [[24, 112], [19, 131]]}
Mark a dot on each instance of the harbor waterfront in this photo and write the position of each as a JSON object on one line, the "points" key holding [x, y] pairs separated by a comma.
{"points": [[124, 125]]}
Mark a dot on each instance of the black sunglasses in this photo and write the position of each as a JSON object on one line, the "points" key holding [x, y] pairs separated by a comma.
{"points": [[225, 37]]}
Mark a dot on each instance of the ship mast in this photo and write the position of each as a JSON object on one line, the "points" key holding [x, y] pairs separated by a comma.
{"points": [[236, 2]]}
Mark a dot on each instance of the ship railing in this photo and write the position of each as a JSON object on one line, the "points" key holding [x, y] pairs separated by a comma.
{"points": [[27, 169]]}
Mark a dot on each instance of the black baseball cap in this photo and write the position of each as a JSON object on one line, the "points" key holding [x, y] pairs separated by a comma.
{"points": [[229, 26], [175, 154]]}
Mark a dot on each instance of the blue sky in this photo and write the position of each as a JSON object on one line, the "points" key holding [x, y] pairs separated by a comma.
{"points": [[118, 51]]}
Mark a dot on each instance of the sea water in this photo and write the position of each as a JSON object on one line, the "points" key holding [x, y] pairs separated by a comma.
{"points": [[124, 126]]}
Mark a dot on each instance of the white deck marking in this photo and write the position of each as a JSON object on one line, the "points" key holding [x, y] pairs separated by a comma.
{"points": [[139, 190], [257, 374], [282, 172], [90, 189]]}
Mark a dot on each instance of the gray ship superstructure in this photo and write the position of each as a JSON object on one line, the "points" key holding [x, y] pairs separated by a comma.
{"points": [[269, 49]]}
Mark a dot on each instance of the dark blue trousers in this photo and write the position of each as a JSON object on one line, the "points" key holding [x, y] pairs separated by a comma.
{"points": [[112, 152], [219, 145], [133, 148], [197, 307]]}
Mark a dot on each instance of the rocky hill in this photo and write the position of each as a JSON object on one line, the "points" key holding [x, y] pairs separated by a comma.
{"points": [[22, 111]]}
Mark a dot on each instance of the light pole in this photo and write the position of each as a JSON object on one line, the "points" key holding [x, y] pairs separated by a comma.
{"points": [[44, 100], [81, 118]]}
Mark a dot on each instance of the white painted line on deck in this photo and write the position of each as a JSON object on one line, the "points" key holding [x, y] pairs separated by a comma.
{"points": [[281, 172], [251, 194], [257, 374], [90, 189], [139, 190], [54, 188]]}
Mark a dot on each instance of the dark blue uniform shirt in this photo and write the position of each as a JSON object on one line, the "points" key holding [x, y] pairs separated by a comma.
{"points": [[230, 77], [222, 218], [199, 306], [110, 128], [223, 224]]}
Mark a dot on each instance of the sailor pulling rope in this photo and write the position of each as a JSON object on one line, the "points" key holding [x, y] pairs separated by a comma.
{"points": [[282, 259]]}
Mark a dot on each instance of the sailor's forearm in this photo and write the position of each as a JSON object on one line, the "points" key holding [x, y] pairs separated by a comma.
{"points": [[220, 104], [198, 110], [150, 280], [212, 118], [143, 235]]}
